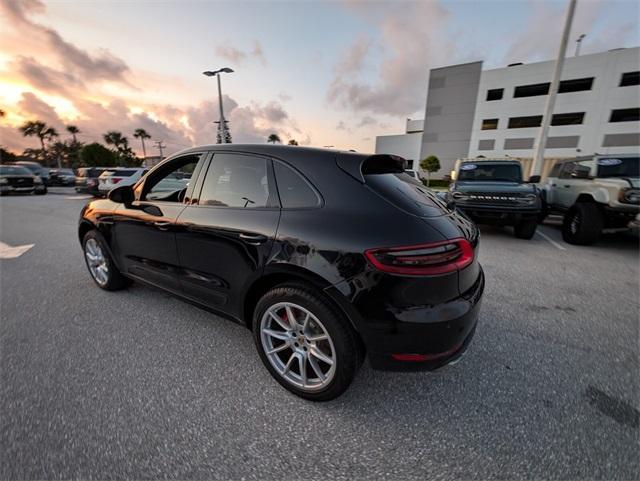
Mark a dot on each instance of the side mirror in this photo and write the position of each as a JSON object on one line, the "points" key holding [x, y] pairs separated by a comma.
{"points": [[581, 172], [534, 179], [122, 195]]}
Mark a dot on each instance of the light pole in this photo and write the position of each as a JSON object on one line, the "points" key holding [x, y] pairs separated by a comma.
{"points": [[224, 135]]}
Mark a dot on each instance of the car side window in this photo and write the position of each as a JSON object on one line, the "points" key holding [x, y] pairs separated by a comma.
{"points": [[555, 170], [237, 180], [567, 169], [169, 183], [295, 192]]}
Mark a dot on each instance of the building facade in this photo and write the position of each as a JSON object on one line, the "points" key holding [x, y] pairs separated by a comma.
{"points": [[498, 113]]}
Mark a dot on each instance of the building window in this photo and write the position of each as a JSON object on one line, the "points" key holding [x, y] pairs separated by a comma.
{"points": [[524, 122], [563, 142], [489, 124], [494, 94], [630, 78], [574, 118], [575, 85], [621, 140], [625, 115], [519, 144], [566, 86], [531, 90], [486, 144]]}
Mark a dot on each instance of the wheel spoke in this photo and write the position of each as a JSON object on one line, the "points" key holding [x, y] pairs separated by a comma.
{"points": [[315, 351], [302, 363], [305, 323], [281, 347], [277, 334], [316, 369], [319, 337], [290, 317], [287, 366]]}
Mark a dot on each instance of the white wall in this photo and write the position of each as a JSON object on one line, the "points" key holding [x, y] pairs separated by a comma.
{"points": [[607, 68], [404, 145]]}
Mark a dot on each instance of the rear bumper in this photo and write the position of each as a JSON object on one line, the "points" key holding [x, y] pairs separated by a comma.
{"points": [[426, 337]]}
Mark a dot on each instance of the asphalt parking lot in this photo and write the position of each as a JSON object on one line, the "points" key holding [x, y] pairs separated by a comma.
{"points": [[140, 385]]}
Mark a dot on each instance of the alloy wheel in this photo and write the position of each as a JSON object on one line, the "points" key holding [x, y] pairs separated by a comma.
{"points": [[96, 261], [298, 346]]}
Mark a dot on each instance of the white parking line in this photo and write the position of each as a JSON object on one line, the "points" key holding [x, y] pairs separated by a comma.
{"points": [[78, 197], [551, 241], [10, 252]]}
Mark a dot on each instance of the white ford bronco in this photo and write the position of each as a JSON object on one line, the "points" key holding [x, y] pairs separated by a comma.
{"points": [[594, 193]]}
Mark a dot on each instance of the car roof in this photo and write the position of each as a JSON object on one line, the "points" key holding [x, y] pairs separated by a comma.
{"points": [[265, 149]]}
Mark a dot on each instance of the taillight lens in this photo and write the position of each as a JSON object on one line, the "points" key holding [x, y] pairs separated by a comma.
{"points": [[424, 259]]}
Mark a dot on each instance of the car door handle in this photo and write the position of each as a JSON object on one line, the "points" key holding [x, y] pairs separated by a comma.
{"points": [[253, 239], [162, 225]]}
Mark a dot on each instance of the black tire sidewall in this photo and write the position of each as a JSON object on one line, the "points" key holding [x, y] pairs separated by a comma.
{"points": [[590, 226], [342, 335], [525, 229]]}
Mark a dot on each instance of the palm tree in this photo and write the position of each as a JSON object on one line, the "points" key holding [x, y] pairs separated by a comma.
{"points": [[273, 138], [73, 130], [293, 142], [35, 128], [142, 134], [116, 139]]}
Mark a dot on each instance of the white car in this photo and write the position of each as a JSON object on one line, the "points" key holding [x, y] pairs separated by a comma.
{"points": [[413, 173], [117, 177]]}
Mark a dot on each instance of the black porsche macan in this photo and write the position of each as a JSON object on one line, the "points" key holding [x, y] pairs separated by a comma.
{"points": [[326, 256]]}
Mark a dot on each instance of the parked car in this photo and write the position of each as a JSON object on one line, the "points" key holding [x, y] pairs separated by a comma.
{"points": [[594, 193], [87, 179], [62, 177], [414, 174], [36, 169], [119, 176], [19, 180], [324, 255], [493, 192]]}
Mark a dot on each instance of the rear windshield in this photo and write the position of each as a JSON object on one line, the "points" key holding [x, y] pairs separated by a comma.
{"points": [[619, 167], [408, 194], [125, 173], [14, 170], [490, 172]]}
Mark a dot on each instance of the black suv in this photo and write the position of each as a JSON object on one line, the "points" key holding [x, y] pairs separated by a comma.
{"points": [[493, 192], [322, 254]]}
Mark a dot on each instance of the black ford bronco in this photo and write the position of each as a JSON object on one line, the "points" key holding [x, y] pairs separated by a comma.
{"points": [[493, 192]]}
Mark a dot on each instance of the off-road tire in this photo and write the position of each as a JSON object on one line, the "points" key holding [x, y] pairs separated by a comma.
{"points": [[582, 224]]}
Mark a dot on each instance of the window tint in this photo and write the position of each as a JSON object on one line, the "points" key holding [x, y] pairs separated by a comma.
{"points": [[625, 115], [555, 170], [531, 90], [235, 180], [489, 124], [630, 78], [619, 167], [523, 122], [485, 171], [573, 118], [294, 191], [566, 86], [494, 94], [567, 168], [14, 170], [575, 85]]}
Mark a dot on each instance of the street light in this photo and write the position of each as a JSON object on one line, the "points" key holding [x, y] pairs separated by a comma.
{"points": [[224, 136]]}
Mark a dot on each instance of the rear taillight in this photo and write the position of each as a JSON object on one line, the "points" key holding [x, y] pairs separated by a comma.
{"points": [[424, 259], [115, 180]]}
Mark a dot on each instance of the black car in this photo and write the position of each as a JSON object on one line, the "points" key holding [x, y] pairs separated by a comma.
{"points": [[19, 180], [87, 180], [36, 169], [493, 192], [324, 255]]}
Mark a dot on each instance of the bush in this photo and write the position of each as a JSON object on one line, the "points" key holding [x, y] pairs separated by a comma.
{"points": [[436, 183], [96, 155]]}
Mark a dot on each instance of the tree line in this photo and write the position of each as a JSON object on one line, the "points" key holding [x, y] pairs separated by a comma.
{"points": [[71, 152]]}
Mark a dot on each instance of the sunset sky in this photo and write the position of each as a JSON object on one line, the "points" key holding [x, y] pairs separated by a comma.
{"points": [[322, 73]]}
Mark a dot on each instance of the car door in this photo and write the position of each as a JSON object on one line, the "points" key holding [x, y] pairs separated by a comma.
{"points": [[144, 232], [226, 232], [564, 196]]}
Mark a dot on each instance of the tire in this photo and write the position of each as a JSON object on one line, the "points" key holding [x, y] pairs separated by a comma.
{"points": [[525, 229], [40, 192], [582, 224], [305, 348], [101, 267]]}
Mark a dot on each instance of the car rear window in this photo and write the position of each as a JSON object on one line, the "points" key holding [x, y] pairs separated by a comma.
{"points": [[408, 194]]}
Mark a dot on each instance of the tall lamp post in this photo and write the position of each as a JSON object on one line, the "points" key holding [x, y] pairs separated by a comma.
{"points": [[224, 135]]}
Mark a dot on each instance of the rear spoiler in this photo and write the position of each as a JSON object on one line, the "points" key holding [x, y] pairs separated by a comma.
{"points": [[358, 165]]}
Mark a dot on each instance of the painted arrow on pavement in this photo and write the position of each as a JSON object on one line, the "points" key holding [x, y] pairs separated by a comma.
{"points": [[10, 252]]}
